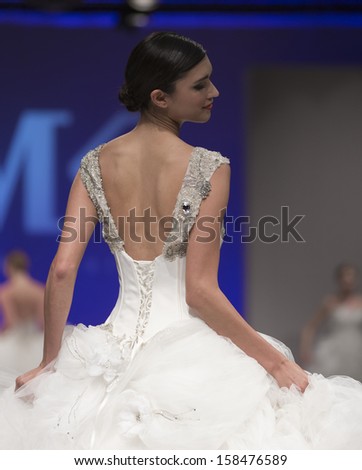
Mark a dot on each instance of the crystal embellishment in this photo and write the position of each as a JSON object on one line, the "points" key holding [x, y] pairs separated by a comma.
{"points": [[186, 207], [205, 189]]}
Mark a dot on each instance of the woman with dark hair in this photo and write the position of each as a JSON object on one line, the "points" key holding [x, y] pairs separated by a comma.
{"points": [[174, 366]]}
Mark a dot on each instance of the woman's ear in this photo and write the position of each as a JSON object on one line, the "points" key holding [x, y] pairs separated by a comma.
{"points": [[159, 98]]}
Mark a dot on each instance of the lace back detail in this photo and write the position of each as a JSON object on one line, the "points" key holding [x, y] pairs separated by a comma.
{"points": [[92, 179], [128, 345], [196, 187], [145, 274]]}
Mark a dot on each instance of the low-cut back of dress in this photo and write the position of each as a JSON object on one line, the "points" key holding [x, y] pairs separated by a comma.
{"points": [[154, 376]]}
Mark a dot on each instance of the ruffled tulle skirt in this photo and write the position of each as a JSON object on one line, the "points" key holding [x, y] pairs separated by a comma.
{"points": [[185, 388]]}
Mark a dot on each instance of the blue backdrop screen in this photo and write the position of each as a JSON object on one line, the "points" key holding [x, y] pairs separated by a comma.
{"points": [[59, 99], [59, 91]]}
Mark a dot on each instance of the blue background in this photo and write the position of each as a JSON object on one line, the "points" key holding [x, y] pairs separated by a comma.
{"points": [[59, 78]]}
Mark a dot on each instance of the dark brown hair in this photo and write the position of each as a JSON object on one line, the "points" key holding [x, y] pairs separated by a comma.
{"points": [[18, 260], [156, 63]]}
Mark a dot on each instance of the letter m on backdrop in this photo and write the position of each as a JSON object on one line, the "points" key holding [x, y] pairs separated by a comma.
{"points": [[32, 154]]}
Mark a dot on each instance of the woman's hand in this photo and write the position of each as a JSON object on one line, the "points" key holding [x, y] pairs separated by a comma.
{"points": [[24, 378], [288, 373]]}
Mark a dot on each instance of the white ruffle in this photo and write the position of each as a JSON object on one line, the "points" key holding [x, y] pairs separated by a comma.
{"points": [[185, 388]]}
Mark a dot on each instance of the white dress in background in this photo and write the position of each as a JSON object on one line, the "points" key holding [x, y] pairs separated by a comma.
{"points": [[21, 349], [338, 351], [154, 376]]}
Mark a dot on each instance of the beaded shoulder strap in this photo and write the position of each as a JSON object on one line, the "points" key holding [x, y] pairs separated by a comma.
{"points": [[196, 187], [91, 177]]}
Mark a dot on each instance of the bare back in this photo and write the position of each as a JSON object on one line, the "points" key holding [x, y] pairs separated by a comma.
{"points": [[21, 300], [141, 181]]}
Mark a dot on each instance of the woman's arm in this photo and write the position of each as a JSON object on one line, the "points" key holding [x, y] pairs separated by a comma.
{"points": [[310, 330], [80, 221], [40, 296], [205, 297], [5, 309]]}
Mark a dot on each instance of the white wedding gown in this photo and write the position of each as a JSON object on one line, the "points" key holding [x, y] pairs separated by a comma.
{"points": [[154, 376]]}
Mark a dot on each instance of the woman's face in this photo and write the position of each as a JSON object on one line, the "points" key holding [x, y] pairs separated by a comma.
{"points": [[348, 279], [193, 95]]}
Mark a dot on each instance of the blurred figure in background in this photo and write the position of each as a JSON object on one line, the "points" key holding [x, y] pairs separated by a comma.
{"points": [[21, 309], [331, 342]]}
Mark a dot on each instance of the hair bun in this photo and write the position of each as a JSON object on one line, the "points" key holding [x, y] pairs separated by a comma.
{"points": [[128, 99]]}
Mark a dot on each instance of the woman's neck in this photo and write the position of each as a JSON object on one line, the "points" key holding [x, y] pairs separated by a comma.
{"points": [[157, 122], [18, 276], [345, 295]]}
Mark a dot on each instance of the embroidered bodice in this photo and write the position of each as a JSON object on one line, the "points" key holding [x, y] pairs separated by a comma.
{"points": [[152, 293]]}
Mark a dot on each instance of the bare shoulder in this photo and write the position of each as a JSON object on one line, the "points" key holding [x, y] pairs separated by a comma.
{"points": [[37, 285], [136, 143], [330, 302], [224, 171], [4, 290], [119, 146], [220, 185]]}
